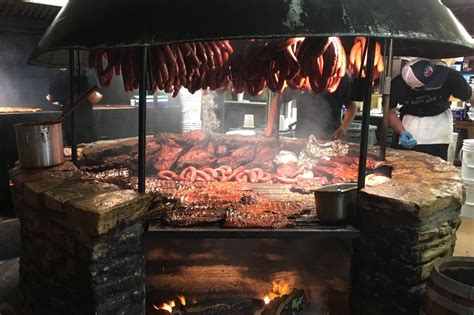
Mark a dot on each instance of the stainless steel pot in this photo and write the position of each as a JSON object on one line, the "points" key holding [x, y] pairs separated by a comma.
{"points": [[336, 203], [40, 144]]}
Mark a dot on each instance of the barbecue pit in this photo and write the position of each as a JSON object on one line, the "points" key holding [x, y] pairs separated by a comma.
{"points": [[104, 215]]}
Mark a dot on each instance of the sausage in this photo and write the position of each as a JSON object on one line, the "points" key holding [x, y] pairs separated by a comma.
{"points": [[201, 53], [161, 61], [252, 175], [227, 169], [227, 46], [168, 175], [234, 173], [210, 55], [212, 172], [259, 173], [242, 177], [217, 53], [181, 65], [266, 177], [171, 65], [284, 180], [204, 175], [192, 174]]}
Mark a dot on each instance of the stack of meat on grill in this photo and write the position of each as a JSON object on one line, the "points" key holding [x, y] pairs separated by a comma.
{"points": [[199, 178]]}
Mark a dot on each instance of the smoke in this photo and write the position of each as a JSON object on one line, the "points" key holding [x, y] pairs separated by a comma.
{"points": [[20, 84]]}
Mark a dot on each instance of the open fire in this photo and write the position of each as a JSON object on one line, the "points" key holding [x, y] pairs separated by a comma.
{"points": [[281, 297]]}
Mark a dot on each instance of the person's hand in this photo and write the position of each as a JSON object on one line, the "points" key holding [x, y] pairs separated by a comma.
{"points": [[95, 97], [339, 134], [406, 140]]}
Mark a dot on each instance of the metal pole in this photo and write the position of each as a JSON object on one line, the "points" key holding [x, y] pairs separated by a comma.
{"points": [[386, 99], [72, 58], [73, 114], [142, 121], [364, 140]]}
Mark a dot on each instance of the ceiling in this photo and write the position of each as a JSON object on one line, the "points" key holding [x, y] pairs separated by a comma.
{"points": [[464, 11]]}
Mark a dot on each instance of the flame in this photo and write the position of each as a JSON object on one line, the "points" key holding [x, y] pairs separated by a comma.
{"points": [[171, 304], [266, 299], [166, 306], [182, 300], [279, 288]]}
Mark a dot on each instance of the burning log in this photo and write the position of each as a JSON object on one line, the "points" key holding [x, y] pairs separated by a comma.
{"points": [[285, 304], [246, 307]]}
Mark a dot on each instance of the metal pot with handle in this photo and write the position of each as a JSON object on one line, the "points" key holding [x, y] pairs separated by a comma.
{"points": [[40, 144]]}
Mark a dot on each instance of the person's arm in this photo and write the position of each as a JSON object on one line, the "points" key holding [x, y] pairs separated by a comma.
{"points": [[460, 88], [351, 110], [394, 122], [471, 99]]}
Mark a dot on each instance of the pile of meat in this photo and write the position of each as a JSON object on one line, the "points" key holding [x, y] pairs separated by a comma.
{"points": [[204, 179], [312, 63], [231, 205], [198, 156]]}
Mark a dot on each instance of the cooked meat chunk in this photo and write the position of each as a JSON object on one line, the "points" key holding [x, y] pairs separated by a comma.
{"points": [[186, 216], [166, 156], [266, 153], [222, 150], [264, 214], [211, 148], [195, 137], [245, 154], [229, 161], [197, 156]]}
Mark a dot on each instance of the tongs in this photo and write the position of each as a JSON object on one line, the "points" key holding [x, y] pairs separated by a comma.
{"points": [[75, 105]]}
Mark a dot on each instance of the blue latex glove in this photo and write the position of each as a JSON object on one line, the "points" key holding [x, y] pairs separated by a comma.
{"points": [[407, 141]]}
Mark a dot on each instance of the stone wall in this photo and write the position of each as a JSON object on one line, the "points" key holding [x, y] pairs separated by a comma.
{"points": [[406, 225], [82, 250]]}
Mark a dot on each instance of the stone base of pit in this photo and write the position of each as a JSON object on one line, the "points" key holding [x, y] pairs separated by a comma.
{"points": [[406, 225], [81, 243]]}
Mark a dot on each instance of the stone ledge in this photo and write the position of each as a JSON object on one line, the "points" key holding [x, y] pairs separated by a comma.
{"points": [[97, 214], [421, 185]]}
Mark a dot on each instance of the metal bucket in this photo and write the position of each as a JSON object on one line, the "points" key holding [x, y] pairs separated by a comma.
{"points": [[39, 144], [336, 203]]}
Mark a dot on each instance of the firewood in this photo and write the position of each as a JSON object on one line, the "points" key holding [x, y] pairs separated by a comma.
{"points": [[285, 304], [245, 307]]}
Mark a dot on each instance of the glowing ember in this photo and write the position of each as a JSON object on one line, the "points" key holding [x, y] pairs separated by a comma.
{"points": [[279, 288], [182, 300], [266, 299]]}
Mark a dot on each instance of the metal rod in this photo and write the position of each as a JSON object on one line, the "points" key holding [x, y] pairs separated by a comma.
{"points": [[364, 138], [142, 121], [72, 58], [73, 114], [386, 99]]}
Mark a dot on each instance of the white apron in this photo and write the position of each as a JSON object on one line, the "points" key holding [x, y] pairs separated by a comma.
{"points": [[430, 130]]}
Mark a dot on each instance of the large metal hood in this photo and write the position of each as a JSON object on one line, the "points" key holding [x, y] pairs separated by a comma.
{"points": [[421, 28]]}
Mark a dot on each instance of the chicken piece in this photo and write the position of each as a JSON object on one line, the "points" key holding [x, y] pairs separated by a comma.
{"points": [[245, 154], [289, 170], [166, 156], [198, 157]]}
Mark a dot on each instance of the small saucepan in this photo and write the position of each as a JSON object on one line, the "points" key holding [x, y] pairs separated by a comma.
{"points": [[41, 144]]}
